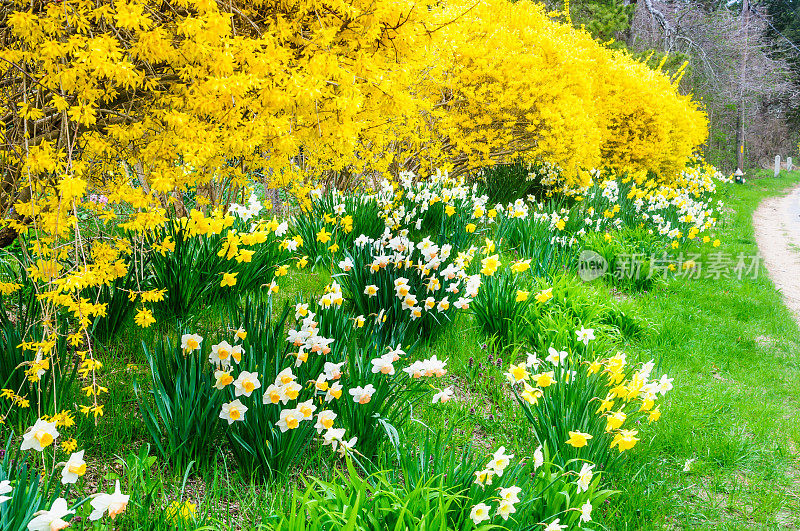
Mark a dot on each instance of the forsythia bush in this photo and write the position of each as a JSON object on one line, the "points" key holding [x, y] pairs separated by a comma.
{"points": [[518, 81], [200, 95]]}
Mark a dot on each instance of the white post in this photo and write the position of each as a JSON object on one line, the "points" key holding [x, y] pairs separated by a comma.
{"points": [[789, 165], [777, 165]]}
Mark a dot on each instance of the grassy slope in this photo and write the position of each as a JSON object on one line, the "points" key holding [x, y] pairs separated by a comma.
{"points": [[733, 349], [729, 344]]}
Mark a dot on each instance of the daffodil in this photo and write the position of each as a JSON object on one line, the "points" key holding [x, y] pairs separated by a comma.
{"points": [[517, 373], [479, 513], [521, 266], [333, 392], [625, 440], [499, 461], [538, 457], [578, 439], [585, 477], [544, 379], [615, 420], [233, 411], [223, 379], [228, 279], [53, 519], [5, 488], [585, 335], [39, 436], [115, 504], [505, 509], [274, 394], [324, 420], [383, 365], [654, 415], [556, 357], [362, 395], [246, 383], [289, 420], [586, 512], [555, 525], [510, 494], [221, 354], [73, 468], [544, 295], [306, 409], [490, 265], [181, 511], [443, 396], [323, 236], [191, 342]]}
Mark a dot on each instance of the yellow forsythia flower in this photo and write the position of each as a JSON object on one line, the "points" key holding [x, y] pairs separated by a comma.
{"points": [[144, 318]]}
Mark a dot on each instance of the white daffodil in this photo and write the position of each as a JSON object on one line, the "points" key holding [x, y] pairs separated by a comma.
{"points": [[306, 409], [480, 513], [113, 503], [510, 494], [443, 396], [505, 509], [586, 512], [5, 488], [73, 468], [362, 395], [233, 411], [325, 420], [500, 460], [290, 419], [190, 342], [382, 365], [555, 357], [246, 383], [585, 477], [538, 458], [555, 526], [51, 520], [220, 354], [39, 436], [585, 335]]}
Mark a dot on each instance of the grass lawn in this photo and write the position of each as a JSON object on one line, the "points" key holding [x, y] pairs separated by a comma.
{"points": [[733, 349]]}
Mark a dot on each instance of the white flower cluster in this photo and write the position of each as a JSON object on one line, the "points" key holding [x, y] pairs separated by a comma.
{"points": [[246, 213], [307, 338]]}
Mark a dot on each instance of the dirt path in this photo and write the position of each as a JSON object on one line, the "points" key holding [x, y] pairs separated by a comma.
{"points": [[776, 222]]}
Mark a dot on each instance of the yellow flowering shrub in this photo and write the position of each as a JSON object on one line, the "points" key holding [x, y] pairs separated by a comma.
{"points": [[517, 83]]}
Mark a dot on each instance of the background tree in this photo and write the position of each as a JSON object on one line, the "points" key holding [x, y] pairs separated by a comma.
{"points": [[742, 73]]}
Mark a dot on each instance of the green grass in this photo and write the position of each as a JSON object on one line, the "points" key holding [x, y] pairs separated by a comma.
{"points": [[732, 348], [730, 344]]}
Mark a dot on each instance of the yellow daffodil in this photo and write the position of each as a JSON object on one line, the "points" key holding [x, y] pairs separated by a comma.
{"points": [[578, 439]]}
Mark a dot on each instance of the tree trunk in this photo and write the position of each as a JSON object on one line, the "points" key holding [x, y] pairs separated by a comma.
{"points": [[740, 110]]}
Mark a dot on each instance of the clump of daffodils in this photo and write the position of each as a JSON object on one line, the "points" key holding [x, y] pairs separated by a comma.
{"points": [[504, 505], [41, 438], [400, 281], [631, 392]]}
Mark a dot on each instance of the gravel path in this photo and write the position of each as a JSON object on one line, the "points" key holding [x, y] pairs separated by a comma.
{"points": [[777, 231]]}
